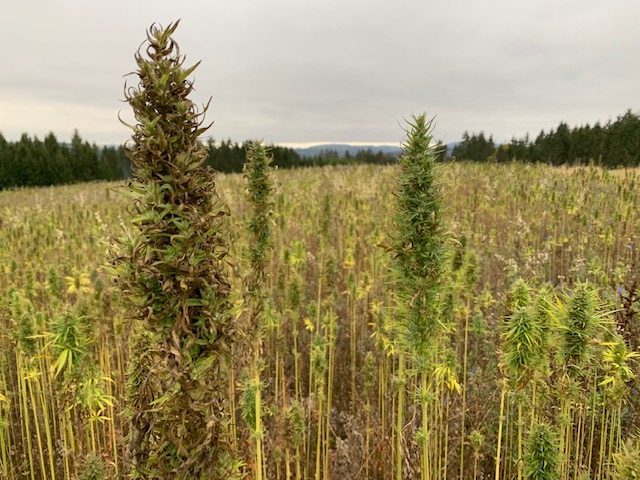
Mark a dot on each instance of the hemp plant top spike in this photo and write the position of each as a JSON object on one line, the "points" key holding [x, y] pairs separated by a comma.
{"points": [[172, 267], [169, 123]]}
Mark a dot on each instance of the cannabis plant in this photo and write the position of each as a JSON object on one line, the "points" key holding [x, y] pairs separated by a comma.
{"points": [[257, 173], [542, 460], [627, 461], [172, 268], [418, 248], [94, 468]]}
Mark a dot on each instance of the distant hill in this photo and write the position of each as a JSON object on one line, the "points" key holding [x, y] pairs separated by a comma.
{"points": [[341, 148]]}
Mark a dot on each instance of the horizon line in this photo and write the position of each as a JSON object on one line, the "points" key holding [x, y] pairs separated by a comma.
{"points": [[351, 144]]}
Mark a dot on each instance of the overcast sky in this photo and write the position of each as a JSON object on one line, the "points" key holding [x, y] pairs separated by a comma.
{"points": [[303, 71]]}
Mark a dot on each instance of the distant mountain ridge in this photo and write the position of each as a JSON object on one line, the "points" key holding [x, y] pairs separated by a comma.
{"points": [[342, 148]]}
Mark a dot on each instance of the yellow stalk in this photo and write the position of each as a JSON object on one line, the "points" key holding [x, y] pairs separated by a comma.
{"points": [[331, 342], [520, 460], [508, 436], [577, 459], [400, 417], [533, 400], [258, 407], [319, 449], [92, 432], [47, 431], [593, 425], [367, 436], [287, 456], [425, 429], [464, 389], [475, 468], [312, 384], [232, 405], [500, 420], [296, 359], [446, 439], [602, 440], [66, 449], [353, 344], [25, 413]]}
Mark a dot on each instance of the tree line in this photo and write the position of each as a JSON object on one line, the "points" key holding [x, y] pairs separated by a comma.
{"points": [[614, 144], [228, 157], [31, 162]]}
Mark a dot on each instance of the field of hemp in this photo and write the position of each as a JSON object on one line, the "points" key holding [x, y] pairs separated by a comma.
{"points": [[538, 335]]}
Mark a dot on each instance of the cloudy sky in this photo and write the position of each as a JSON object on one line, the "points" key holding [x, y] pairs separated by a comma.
{"points": [[311, 71]]}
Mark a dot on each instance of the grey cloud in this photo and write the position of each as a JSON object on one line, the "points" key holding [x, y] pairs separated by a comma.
{"points": [[303, 71]]}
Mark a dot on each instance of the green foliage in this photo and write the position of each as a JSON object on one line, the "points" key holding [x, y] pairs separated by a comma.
{"points": [[579, 320], [542, 460], [294, 424], [475, 147], [248, 403], [229, 157], [69, 339], [627, 461], [33, 162], [94, 468], [519, 296], [22, 316], [523, 339], [418, 242], [258, 175], [524, 334], [615, 144], [476, 439]]}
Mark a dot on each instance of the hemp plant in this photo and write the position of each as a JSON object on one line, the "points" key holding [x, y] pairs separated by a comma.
{"points": [[542, 460], [418, 248], [258, 173], [523, 339], [172, 268]]}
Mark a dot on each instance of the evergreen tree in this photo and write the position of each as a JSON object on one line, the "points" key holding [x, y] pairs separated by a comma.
{"points": [[623, 145], [476, 147], [5, 151]]}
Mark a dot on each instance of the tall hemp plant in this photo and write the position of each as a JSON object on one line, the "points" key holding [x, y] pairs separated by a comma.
{"points": [[418, 248], [523, 342], [258, 175], [172, 266]]}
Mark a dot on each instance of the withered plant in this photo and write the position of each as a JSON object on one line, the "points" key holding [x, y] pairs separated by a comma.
{"points": [[171, 266]]}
